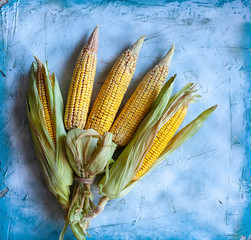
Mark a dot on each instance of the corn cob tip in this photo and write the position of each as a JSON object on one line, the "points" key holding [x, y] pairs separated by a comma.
{"points": [[137, 45], [92, 43], [37, 60], [166, 61]]}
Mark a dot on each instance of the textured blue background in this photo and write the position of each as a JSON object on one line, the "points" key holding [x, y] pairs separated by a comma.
{"points": [[203, 191]]}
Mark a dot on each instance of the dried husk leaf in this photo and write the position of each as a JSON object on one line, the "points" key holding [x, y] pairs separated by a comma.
{"points": [[56, 170]]}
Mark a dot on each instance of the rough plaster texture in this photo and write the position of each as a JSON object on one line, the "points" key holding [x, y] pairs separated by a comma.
{"points": [[203, 190]]}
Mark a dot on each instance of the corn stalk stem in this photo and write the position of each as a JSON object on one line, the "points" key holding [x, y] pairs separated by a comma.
{"points": [[96, 211]]}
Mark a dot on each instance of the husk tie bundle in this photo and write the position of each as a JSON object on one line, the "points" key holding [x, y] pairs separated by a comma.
{"points": [[89, 153]]}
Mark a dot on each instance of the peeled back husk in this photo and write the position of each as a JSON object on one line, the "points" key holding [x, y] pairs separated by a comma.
{"points": [[52, 157]]}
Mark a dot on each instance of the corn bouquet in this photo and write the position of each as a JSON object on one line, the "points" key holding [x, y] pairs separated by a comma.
{"points": [[146, 127]]}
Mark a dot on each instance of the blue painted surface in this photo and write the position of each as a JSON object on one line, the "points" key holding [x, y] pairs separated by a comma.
{"points": [[246, 176], [203, 192]]}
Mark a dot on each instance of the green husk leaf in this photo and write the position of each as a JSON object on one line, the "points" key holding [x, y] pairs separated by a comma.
{"points": [[56, 170], [117, 182], [187, 132]]}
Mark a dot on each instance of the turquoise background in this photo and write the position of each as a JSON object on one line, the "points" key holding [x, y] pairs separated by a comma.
{"points": [[160, 206]]}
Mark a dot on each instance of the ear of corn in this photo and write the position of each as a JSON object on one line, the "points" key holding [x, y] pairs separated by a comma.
{"points": [[140, 102], [43, 92], [161, 140], [183, 135], [45, 114], [80, 91], [112, 92], [138, 158]]}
